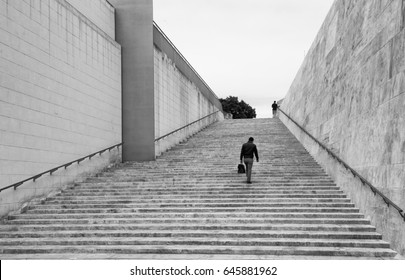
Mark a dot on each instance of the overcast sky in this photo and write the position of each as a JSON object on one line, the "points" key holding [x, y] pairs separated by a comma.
{"points": [[251, 49]]}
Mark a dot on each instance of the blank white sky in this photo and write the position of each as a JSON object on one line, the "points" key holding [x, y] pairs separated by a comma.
{"points": [[251, 49]]}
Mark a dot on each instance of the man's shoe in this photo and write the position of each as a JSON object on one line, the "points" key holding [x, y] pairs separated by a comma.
{"points": [[248, 182]]}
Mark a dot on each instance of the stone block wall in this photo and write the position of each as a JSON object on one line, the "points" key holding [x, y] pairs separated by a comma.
{"points": [[100, 12], [60, 94], [181, 97], [350, 94]]}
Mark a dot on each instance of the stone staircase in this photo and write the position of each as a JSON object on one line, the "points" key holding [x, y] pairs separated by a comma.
{"points": [[191, 204]]}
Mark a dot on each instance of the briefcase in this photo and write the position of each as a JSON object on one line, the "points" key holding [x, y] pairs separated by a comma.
{"points": [[241, 168]]}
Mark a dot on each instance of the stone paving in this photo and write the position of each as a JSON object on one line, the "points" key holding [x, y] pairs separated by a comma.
{"points": [[192, 204]]}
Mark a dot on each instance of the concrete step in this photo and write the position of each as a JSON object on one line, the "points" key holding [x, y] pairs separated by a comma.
{"points": [[191, 226], [238, 188], [212, 220], [241, 179], [190, 241], [258, 186], [235, 187], [75, 198], [244, 234], [226, 193], [228, 172], [179, 257], [198, 205], [191, 177], [146, 216], [227, 250], [290, 210], [195, 201]]}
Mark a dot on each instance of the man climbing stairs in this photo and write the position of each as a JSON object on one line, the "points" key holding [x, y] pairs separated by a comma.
{"points": [[192, 204]]}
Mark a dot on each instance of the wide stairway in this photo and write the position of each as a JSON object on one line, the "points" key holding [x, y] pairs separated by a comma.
{"points": [[191, 204]]}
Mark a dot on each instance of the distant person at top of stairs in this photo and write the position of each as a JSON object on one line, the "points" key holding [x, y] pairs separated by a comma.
{"points": [[274, 106], [248, 150]]}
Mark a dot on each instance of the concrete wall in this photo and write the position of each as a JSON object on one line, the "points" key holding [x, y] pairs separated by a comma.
{"points": [[100, 12], [135, 34], [350, 94], [181, 96], [60, 95]]}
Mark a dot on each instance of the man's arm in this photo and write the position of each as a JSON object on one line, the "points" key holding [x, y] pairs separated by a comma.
{"points": [[256, 154], [241, 154]]}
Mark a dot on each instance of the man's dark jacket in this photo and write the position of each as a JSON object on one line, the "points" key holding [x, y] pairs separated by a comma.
{"points": [[248, 149]]}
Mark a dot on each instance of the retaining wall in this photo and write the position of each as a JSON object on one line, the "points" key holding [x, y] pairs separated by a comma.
{"points": [[350, 94], [60, 93]]}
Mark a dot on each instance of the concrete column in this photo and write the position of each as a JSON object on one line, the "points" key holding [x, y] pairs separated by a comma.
{"points": [[134, 31]]}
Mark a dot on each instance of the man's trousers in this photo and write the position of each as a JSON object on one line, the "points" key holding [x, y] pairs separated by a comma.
{"points": [[249, 165]]}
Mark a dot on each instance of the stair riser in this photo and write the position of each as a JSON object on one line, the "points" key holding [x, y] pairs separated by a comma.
{"points": [[223, 227], [194, 234], [195, 201], [291, 211], [219, 180], [145, 206], [213, 251], [188, 215], [171, 242], [192, 221], [134, 197], [187, 189]]}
